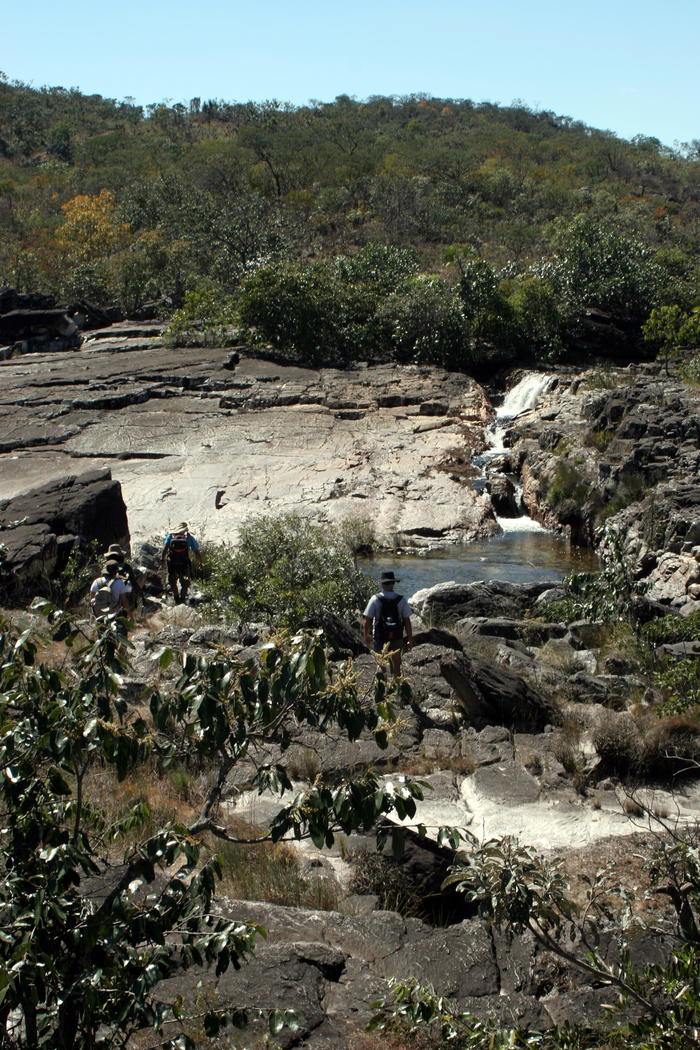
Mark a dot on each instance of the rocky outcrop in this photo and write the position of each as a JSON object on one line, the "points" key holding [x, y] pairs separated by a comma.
{"points": [[214, 436], [31, 323], [625, 457], [39, 528]]}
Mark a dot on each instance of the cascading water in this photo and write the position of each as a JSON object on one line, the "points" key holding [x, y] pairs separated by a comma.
{"points": [[520, 398], [524, 552]]}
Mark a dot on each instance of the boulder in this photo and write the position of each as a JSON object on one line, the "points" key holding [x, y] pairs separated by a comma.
{"points": [[449, 602], [503, 497], [489, 694], [78, 509]]}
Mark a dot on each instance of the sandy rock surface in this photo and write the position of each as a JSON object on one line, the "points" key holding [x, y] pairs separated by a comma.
{"points": [[196, 434]]}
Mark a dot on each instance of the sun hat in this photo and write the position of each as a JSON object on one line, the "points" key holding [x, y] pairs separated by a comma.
{"points": [[388, 577], [182, 527]]}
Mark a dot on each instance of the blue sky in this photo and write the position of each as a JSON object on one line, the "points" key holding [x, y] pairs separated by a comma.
{"points": [[627, 65]]}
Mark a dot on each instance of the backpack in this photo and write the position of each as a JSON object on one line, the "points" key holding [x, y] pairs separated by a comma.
{"points": [[388, 624], [104, 602], [179, 552]]}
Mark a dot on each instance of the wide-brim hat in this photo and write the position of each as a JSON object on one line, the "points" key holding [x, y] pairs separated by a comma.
{"points": [[182, 527], [114, 548], [388, 577], [110, 567]]}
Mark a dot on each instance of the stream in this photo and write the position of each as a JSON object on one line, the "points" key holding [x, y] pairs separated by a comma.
{"points": [[524, 552]]}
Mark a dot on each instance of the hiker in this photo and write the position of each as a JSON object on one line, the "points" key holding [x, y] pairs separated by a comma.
{"points": [[176, 552], [126, 572], [387, 618], [109, 596]]}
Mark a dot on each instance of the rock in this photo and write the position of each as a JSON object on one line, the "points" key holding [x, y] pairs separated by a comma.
{"points": [[177, 430], [432, 697], [36, 331], [492, 744], [436, 636], [680, 650], [343, 638], [528, 631], [503, 498], [449, 602], [84, 508], [490, 694], [506, 783]]}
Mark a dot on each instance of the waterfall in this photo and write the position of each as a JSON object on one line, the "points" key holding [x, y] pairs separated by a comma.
{"points": [[524, 395], [520, 398]]}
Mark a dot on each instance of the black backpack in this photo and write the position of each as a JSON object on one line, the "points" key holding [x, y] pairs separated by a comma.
{"points": [[179, 552], [388, 624]]}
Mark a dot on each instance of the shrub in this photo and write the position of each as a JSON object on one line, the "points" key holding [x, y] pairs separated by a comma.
{"points": [[679, 681], [672, 628], [384, 267], [283, 571], [299, 309], [538, 318], [425, 324], [203, 320]]}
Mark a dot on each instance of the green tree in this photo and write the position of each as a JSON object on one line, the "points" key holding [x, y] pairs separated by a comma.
{"points": [[297, 308], [677, 333], [86, 938], [425, 324], [597, 264]]}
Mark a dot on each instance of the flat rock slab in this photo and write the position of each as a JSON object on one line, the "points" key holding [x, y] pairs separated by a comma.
{"points": [[191, 435]]}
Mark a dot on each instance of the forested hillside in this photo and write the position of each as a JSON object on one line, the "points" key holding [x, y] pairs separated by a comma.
{"points": [[410, 228]]}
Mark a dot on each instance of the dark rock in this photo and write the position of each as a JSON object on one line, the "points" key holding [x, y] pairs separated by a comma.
{"points": [[33, 330], [436, 636], [88, 507], [492, 694], [530, 632], [432, 697], [342, 637], [503, 498], [492, 598]]}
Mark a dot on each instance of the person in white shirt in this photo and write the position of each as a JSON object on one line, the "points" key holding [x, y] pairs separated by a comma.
{"points": [[109, 594], [387, 622]]}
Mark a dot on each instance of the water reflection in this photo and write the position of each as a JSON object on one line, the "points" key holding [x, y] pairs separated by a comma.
{"points": [[517, 557]]}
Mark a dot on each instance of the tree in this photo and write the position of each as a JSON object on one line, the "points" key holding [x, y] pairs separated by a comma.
{"points": [[84, 940], [297, 308], [425, 324], [676, 331], [598, 265], [90, 228]]}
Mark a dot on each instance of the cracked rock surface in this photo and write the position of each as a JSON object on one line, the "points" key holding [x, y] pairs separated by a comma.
{"points": [[213, 437]]}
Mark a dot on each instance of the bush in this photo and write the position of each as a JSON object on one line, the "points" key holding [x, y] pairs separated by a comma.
{"points": [[283, 571], [384, 267], [599, 265], [299, 309], [425, 324], [538, 318], [203, 319]]}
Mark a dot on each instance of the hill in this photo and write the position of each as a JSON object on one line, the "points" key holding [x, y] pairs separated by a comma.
{"points": [[103, 200]]}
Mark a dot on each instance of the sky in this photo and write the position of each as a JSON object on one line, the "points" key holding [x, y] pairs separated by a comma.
{"points": [[628, 66]]}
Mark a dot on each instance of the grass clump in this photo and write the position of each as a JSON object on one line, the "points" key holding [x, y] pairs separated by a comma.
{"points": [[273, 872]]}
